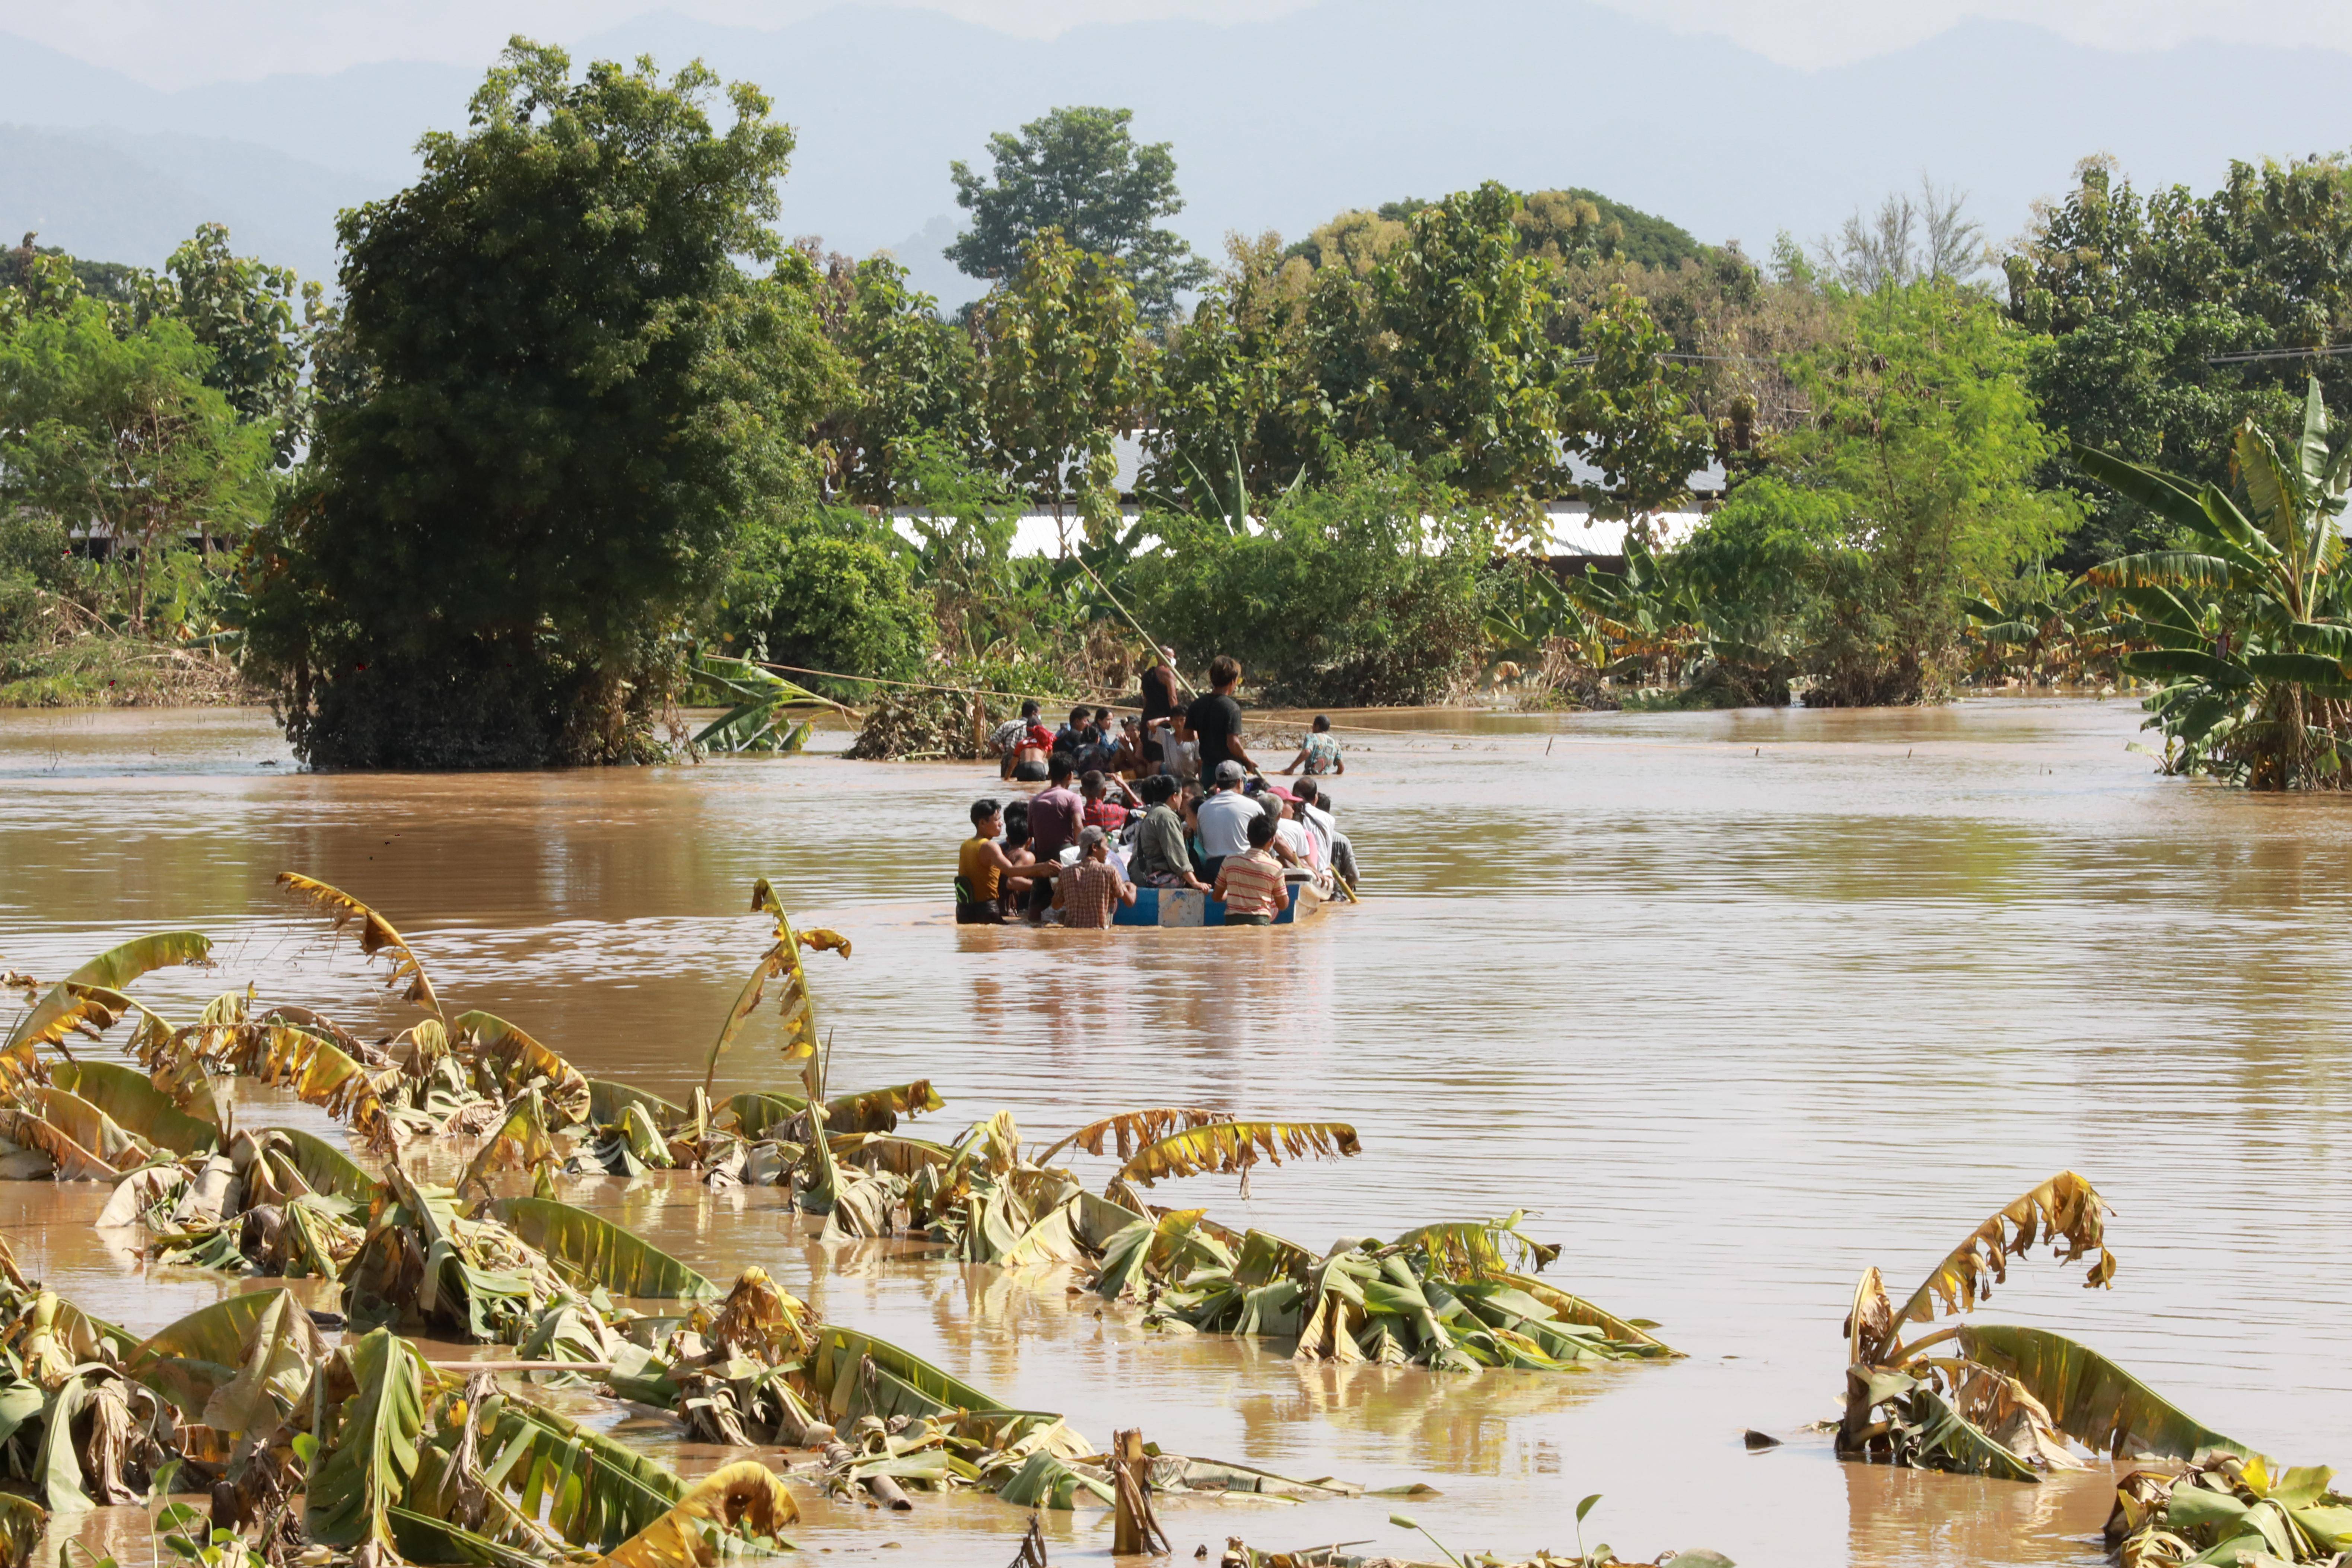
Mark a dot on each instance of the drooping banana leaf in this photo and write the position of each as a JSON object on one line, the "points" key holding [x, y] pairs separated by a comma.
{"points": [[64, 1008], [2090, 1398], [133, 1101], [1940, 1438], [373, 1456], [116, 968], [741, 1497], [1132, 1130], [834, 1366], [316, 1069], [1573, 1309], [605, 1099], [72, 1161], [598, 1252], [1223, 1147], [595, 1492], [188, 1360], [2064, 1209], [376, 935], [328, 1169], [420, 1537], [1479, 1248], [756, 1115], [284, 1351], [517, 1060], [92, 1129], [521, 1142]]}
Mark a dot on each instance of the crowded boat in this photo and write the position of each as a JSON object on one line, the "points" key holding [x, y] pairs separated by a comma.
{"points": [[1160, 819]]}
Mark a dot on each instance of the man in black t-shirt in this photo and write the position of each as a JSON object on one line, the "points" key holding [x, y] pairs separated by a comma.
{"points": [[1215, 721]]}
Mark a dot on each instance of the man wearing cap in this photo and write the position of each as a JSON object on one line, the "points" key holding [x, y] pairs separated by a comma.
{"points": [[1224, 818], [1095, 888]]}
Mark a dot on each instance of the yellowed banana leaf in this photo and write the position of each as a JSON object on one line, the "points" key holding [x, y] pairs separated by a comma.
{"points": [[607, 1098], [326, 1169], [771, 963], [740, 1498], [1132, 1130], [2090, 1398], [760, 1318], [1223, 1147], [73, 1162], [2065, 1208], [21, 1522], [520, 1143], [92, 1129], [314, 1069], [516, 1058], [65, 1007], [376, 935], [878, 1109], [818, 939], [132, 1099], [191, 1359], [1574, 1308], [1476, 1248], [596, 1251]]}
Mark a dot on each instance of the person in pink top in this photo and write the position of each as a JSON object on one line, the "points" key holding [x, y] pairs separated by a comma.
{"points": [[1056, 813]]}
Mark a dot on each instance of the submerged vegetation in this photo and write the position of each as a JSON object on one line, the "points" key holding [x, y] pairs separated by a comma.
{"points": [[373, 1451]]}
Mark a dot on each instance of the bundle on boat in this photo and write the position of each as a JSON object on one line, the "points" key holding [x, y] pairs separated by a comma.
{"points": [[2012, 1403]]}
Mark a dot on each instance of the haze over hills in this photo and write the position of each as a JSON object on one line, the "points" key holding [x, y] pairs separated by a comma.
{"points": [[1276, 123]]}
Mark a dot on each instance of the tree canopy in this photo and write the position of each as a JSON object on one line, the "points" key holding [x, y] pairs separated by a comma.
{"points": [[569, 394], [1079, 171]]}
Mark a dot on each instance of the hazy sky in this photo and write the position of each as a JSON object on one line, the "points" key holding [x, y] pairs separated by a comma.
{"points": [[176, 43]]}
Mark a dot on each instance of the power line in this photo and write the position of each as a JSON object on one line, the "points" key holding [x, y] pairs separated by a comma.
{"points": [[2250, 357]]}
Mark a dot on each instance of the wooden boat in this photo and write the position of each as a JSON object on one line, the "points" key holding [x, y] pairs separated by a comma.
{"points": [[1183, 906]]}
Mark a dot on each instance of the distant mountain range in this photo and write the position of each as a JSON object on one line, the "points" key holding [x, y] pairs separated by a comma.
{"points": [[1276, 124]]}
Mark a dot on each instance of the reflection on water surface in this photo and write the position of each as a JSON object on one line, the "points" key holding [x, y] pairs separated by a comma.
{"points": [[1739, 1002]]}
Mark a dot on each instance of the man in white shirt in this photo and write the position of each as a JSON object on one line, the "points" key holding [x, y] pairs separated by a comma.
{"points": [[1224, 818]]}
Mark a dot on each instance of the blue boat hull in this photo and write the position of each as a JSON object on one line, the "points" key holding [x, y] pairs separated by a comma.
{"points": [[1183, 906]]}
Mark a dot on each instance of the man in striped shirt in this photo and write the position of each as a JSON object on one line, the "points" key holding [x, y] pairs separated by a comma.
{"points": [[1250, 885]]}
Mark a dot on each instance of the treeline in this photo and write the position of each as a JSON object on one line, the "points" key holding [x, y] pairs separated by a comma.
{"points": [[583, 415]]}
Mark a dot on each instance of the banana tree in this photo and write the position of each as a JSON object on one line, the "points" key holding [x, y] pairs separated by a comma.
{"points": [[762, 717], [2043, 629], [2246, 623], [1997, 1400]]}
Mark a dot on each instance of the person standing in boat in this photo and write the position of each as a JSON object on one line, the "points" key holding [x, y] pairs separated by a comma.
{"points": [[1159, 709], [1214, 721], [1055, 814]]}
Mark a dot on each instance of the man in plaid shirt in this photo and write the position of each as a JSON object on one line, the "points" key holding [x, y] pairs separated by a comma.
{"points": [[1094, 889]]}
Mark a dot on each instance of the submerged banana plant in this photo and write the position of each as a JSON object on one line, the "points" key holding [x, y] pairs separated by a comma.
{"points": [[1995, 1400], [783, 960]]}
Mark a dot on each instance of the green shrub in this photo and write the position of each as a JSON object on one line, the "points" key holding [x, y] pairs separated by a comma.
{"points": [[823, 593], [1368, 589]]}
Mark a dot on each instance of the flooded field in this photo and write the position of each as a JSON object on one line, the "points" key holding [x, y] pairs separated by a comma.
{"points": [[1737, 1002]]}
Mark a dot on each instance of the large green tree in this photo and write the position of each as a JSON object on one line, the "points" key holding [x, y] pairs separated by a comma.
{"points": [[2152, 306], [120, 436], [912, 379], [566, 393], [1911, 485], [1061, 368], [256, 319], [1081, 172]]}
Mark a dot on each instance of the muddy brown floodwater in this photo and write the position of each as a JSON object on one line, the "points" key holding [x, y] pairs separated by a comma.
{"points": [[1738, 1003]]}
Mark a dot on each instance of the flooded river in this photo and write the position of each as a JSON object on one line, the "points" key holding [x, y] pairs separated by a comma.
{"points": [[1737, 1003]]}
